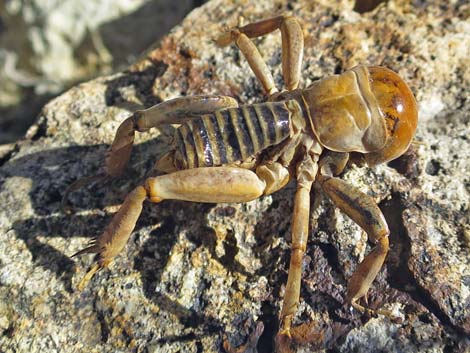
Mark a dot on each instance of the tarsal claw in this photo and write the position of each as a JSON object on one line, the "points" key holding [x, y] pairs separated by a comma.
{"points": [[111, 242]]}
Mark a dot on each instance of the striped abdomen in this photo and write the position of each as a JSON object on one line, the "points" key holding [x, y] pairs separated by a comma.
{"points": [[231, 135]]}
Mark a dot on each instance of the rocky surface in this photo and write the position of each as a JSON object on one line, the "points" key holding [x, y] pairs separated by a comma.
{"points": [[47, 46], [210, 278]]}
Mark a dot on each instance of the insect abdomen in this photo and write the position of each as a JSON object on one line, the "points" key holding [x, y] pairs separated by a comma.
{"points": [[231, 135]]}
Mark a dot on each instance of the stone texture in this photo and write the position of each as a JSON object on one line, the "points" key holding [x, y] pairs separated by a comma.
{"points": [[201, 278], [47, 46]]}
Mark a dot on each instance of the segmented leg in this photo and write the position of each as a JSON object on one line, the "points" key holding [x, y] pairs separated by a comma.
{"points": [[292, 49], [254, 58], [178, 110], [213, 185], [306, 172], [115, 236], [364, 211], [275, 175], [174, 111]]}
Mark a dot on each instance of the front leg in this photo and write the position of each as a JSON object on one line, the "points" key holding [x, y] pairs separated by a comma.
{"points": [[213, 185], [364, 211]]}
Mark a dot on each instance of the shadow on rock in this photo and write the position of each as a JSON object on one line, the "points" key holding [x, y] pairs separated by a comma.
{"points": [[151, 21], [48, 183], [45, 172]]}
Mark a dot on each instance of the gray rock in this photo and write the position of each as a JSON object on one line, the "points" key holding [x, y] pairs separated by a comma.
{"points": [[47, 46], [198, 278]]}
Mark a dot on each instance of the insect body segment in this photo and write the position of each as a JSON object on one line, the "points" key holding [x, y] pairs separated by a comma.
{"points": [[231, 135], [226, 153], [344, 112]]}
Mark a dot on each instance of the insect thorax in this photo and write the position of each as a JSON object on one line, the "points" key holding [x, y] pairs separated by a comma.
{"points": [[231, 135]]}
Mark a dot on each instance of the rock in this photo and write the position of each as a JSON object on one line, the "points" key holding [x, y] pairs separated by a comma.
{"points": [[201, 278], [46, 47]]}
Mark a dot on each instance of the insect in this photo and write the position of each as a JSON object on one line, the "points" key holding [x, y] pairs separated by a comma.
{"points": [[223, 152]]}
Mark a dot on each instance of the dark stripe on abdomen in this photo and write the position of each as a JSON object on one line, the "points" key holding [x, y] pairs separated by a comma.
{"points": [[268, 123], [203, 144], [254, 127], [231, 135], [217, 142], [241, 130], [282, 120], [179, 143], [189, 146]]}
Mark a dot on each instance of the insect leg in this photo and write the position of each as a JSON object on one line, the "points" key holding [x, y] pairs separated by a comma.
{"points": [[178, 110], [253, 56], [306, 172], [292, 51], [275, 175], [212, 185], [292, 43], [174, 111], [115, 236], [364, 211], [216, 184]]}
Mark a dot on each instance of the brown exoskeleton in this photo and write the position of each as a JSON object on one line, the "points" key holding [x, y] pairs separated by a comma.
{"points": [[223, 152]]}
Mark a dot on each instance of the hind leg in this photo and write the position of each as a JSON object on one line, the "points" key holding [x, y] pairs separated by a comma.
{"points": [[174, 111], [178, 110], [212, 185]]}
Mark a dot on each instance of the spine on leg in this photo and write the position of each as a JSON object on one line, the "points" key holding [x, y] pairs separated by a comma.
{"points": [[111, 242], [116, 234]]}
